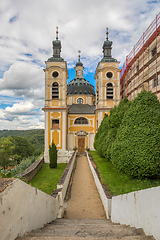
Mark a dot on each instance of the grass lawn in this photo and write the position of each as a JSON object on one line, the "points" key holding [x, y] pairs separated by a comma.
{"points": [[47, 178], [117, 182]]}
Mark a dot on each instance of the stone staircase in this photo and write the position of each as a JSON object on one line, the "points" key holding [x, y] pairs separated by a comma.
{"points": [[96, 229]]}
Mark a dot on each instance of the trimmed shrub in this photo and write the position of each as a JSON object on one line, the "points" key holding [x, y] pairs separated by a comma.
{"points": [[53, 155], [136, 150], [102, 131], [115, 120], [107, 131]]}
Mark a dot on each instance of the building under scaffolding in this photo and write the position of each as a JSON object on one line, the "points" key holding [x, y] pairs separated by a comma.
{"points": [[141, 70]]}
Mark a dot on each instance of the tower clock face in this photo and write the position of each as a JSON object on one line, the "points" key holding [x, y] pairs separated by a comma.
{"points": [[55, 74]]}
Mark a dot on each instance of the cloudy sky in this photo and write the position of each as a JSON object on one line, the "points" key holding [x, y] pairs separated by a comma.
{"points": [[27, 28]]}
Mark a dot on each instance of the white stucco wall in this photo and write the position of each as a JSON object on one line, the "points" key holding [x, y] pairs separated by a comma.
{"points": [[64, 186], [105, 201], [24, 208], [139, 209]]}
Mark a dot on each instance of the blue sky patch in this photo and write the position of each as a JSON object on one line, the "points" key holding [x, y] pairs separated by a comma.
{"points": [[13, 19]]}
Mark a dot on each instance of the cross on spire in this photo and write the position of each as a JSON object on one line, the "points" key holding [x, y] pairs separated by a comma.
{"points": [[57, 33], [107, 33], [79, 56]]}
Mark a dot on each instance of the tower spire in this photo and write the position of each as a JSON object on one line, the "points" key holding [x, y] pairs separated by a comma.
{"points": [[56, 50], [79, 66], [107, 47]]}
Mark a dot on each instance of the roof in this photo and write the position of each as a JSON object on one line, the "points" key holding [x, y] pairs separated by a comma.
{"points": [[81, 108], [79, 63], [80, 86]]}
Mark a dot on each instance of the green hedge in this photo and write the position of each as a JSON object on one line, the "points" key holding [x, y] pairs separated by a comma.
{"points": [[108, 129], [136, 150]]}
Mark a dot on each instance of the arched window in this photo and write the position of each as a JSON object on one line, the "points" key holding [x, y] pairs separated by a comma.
{"points": [[109, 91], [81, 120], [80, 100], [55, 90]]}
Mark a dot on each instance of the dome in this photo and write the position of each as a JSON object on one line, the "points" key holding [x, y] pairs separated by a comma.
{"points": [[79, 63], [80, 86], [56, 43], [107, 43]]}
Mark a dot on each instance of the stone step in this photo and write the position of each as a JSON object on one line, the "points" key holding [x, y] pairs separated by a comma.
{"points": [[67, 229], [89, 238]]}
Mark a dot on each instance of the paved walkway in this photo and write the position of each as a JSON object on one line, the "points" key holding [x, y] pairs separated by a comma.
{"points": [[85, 202]]}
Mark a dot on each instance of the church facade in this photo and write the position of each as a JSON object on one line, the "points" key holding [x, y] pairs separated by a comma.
{"points": [[74, 111]]}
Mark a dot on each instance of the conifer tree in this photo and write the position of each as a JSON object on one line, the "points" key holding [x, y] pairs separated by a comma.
{"points": [[53, 155]]}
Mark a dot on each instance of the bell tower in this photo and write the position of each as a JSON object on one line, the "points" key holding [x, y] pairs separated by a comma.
{"points": [[107, 77], [55, 109]]}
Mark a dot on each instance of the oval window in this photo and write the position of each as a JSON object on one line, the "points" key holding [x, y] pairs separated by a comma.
{"points": [[55, 74], [109, 74]]}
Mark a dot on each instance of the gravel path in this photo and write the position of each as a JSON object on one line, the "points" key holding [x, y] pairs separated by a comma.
{"points": [[85, 202]]}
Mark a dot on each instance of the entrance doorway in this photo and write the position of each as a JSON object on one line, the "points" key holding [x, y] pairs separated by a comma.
{"points": [[81, 144]]}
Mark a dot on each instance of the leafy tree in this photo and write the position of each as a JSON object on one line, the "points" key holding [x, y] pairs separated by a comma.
{"points": [[136, 150], [6, 151], [22, 147], [34, 136], [53, 155]]}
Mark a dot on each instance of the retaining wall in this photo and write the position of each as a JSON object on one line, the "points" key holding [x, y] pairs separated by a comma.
{"points": [[31, 171], [63, 184], [24, 208], [139, 209]]}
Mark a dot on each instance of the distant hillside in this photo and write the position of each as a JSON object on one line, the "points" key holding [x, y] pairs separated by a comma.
{"points": [[35, 136]]}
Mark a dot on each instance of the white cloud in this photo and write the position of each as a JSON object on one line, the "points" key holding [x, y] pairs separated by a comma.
{"points": [[23, 75], [19, 108]]}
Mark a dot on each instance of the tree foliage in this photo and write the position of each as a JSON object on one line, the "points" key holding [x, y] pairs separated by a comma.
{"points": [[13, 149], [22, 147], [53, 155], [34, 136], [6, 152], [136, 150]]}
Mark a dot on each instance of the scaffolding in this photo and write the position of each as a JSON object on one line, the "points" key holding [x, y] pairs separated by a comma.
{"points": [[141, 68]]}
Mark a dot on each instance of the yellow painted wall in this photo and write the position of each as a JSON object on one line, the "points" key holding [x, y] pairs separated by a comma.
{"points": [[76, 127], [55, 136]]}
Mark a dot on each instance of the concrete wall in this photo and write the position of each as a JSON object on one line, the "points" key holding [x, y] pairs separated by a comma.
{"points": [[63, 184], [105, 201], [31, 171], [139, 209], [24, 208], [63, 156]]}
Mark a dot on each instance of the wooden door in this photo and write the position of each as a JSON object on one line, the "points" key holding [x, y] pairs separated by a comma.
{"points": [[81, 144]]}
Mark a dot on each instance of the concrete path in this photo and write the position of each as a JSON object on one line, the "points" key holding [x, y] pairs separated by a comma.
{"points": [[85, 202]]}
